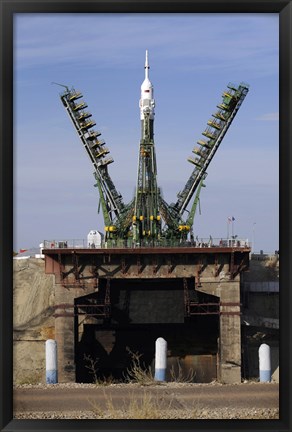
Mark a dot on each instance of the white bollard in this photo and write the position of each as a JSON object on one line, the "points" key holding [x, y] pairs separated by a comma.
{"points": [[160, 359], [51, 362], [265, 363]]}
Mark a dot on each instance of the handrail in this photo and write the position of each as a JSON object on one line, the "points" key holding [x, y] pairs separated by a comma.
{"points": [[127, 244]]}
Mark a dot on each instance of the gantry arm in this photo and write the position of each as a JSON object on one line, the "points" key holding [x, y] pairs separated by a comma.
{"points": [[215, 132], [82, 120]]}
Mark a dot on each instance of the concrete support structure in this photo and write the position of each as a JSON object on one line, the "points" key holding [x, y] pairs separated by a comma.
{"points": [[230, 334], [101, 285], [65, 331], [229, 343]]}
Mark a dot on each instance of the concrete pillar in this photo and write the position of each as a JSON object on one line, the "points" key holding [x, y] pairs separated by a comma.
{"points": [[265, 363], [51, 362], [160, 359], [230, 333], [64, 332], [229, 342]]}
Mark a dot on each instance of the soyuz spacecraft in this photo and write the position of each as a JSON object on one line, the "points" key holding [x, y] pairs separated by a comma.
{"points": [[147, 102]]}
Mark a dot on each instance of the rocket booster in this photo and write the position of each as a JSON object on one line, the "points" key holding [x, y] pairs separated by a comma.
{"points": [[147, 103]]}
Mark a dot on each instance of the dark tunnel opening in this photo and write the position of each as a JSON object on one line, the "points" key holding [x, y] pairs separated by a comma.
{"points": [[140, 312]]}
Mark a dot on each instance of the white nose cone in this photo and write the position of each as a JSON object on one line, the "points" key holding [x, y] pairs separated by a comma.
{"points": [[147, 102]]}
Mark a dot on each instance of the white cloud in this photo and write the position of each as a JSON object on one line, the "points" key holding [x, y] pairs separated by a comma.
{"points": [[230, 43], [269, 117]]}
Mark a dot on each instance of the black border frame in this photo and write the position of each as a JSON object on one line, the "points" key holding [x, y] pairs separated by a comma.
{"points": [[7, 9]]}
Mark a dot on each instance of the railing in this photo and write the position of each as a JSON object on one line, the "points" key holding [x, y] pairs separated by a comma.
{"points": [[197, 243], [71, 244]]}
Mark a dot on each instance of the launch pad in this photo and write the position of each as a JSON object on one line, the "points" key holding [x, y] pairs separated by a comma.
{"points": [[119, 291], [150, 277]]}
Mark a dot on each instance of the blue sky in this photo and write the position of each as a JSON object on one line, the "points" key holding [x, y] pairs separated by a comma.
{"points": [[192, 59]]}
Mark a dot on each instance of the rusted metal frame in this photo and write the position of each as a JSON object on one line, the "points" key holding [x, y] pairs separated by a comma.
{"points": [[61, 272], [95, 284], [186, 297], [138, 264], [169, 265], [98, 310], [148, 250], [50, 264], [93, 305], [243, 265], [123, 265], [204, 308], [75, 268], [63, 306], [107, 300], [231, 304], [231, 265], [94, 272], [154, 265], [199, 269], [93, 310], [204, 313], [230, 313], [216, 265], [126, 303], [107, 257]]}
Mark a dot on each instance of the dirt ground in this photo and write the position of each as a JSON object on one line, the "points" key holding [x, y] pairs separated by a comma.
{"points": [[132, 401]]}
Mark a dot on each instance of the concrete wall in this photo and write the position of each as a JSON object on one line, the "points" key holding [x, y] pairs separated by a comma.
{"points": [[262, 268], [33, 308]]}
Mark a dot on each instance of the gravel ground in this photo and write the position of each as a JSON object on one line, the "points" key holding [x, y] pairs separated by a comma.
{"points": [[200, 414], [152, 384], [164, 401]]}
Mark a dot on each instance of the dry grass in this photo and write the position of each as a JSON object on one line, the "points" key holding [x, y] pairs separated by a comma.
{"points": [[148, 406], [178, 375], [34, 379], [92, 367], [137, 373]]}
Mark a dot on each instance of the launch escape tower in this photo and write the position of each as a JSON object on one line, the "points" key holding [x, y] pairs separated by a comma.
{"points": [[148, 220]]}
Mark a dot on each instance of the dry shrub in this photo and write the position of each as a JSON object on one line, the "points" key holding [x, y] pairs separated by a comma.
{"points": [[92, 366], [147, 406], [179, 376], [137, 373]]}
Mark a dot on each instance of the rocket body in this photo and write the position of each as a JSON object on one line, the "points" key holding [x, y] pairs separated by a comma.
{"points": [[146, 219]]}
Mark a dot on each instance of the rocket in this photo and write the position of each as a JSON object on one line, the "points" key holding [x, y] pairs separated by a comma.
{"points": [[147, 103], [146, 219]]}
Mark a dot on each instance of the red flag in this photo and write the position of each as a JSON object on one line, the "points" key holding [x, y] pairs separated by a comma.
{"points": [[22, 250]]}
